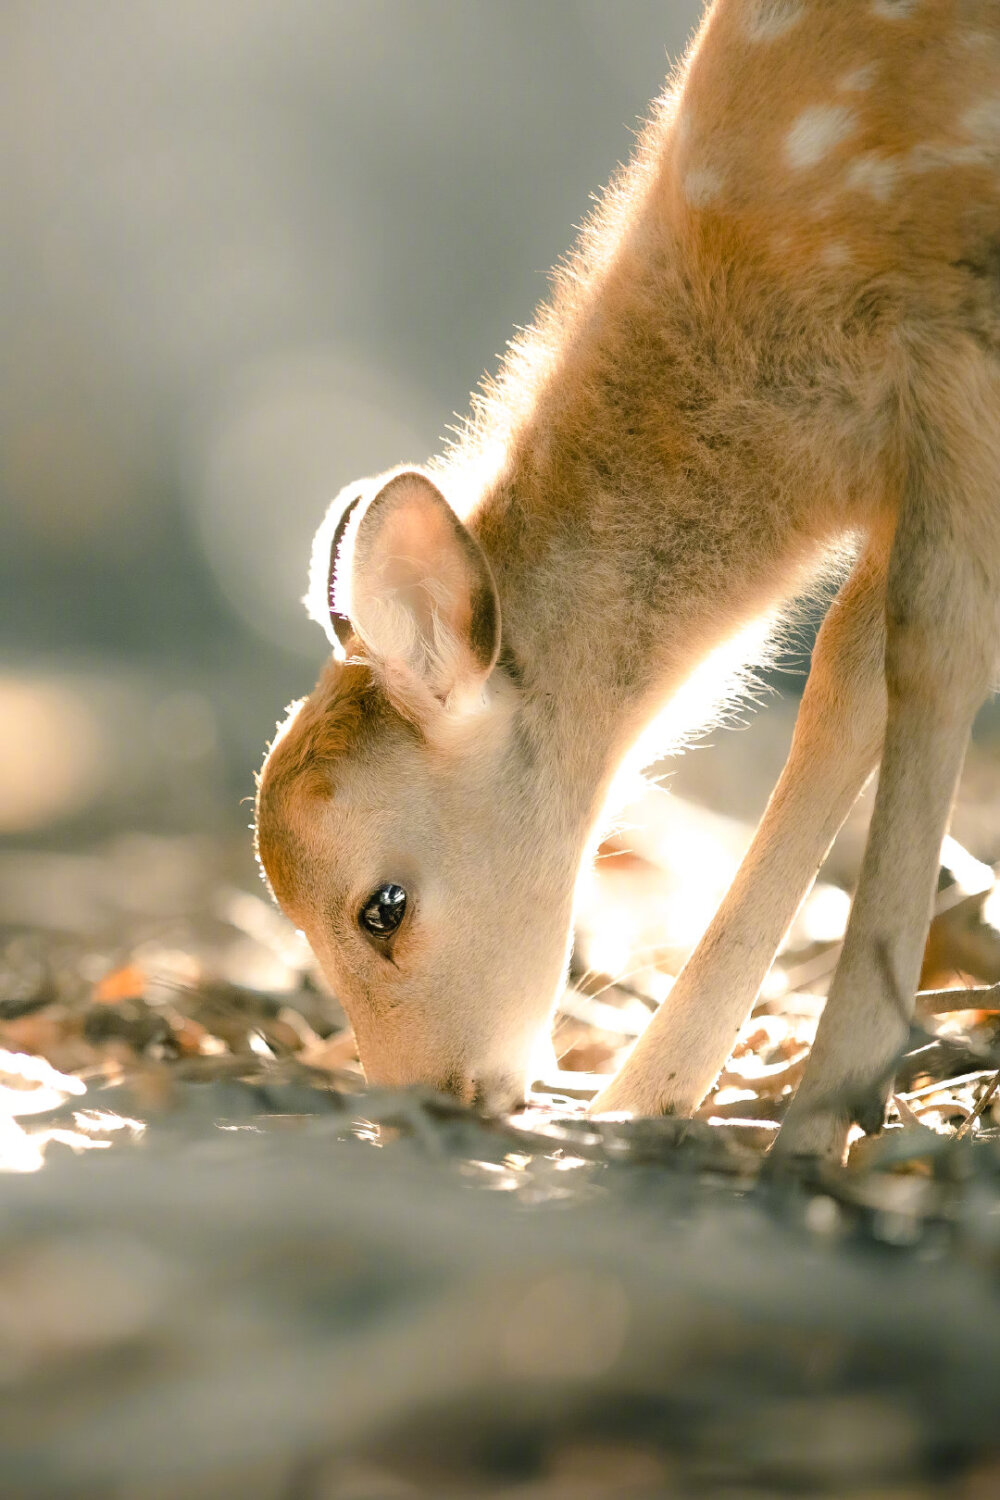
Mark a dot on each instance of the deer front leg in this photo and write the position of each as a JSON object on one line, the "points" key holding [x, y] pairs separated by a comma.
{"points": [[941, 641], [834, 749]]}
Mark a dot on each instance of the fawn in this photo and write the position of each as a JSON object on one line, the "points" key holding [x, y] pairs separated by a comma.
{"points": [[780, 334]]}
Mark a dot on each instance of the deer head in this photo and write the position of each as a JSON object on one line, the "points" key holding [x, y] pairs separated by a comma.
{"points": [[402, 821]]}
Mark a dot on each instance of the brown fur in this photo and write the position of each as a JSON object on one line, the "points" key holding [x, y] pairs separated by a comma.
{"points": [[300, 765]]}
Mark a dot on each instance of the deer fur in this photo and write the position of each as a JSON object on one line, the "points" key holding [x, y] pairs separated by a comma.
{"points": [[779, 335]]}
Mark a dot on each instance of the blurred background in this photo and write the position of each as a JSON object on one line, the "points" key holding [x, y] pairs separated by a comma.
{"points": [[249, 251]]}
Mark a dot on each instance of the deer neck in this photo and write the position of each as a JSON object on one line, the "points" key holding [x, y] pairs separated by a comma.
{"points": [[626, 539], [604, 612]]}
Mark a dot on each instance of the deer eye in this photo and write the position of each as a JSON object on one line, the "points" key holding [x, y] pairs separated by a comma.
{"points": [[383, 911]]}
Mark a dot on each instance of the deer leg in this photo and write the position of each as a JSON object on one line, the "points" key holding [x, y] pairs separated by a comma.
{"points": [[834, 749], [942, 621]]}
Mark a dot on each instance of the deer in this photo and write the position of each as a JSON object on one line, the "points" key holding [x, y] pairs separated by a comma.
{"points": [[777, 338]]}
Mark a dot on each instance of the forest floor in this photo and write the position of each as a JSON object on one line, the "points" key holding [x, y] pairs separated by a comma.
{"points": [[229, 1272]]}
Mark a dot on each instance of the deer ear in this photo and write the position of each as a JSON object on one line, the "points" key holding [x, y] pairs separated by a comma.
{"points": [[418, 591], [323, 596]]}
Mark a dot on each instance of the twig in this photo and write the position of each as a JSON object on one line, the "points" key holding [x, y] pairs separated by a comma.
{"points": [[906, 1114], [977, 997], [960, 1081], [598, 1013], [984, 1099]]}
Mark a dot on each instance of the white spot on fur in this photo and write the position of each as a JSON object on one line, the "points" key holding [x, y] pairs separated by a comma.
{"points": [[894, 10], [701, 186], [816, 131], [872, 174], [935, 158], [835, 254], [858, 79], [982, 121], [769, 19]]}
